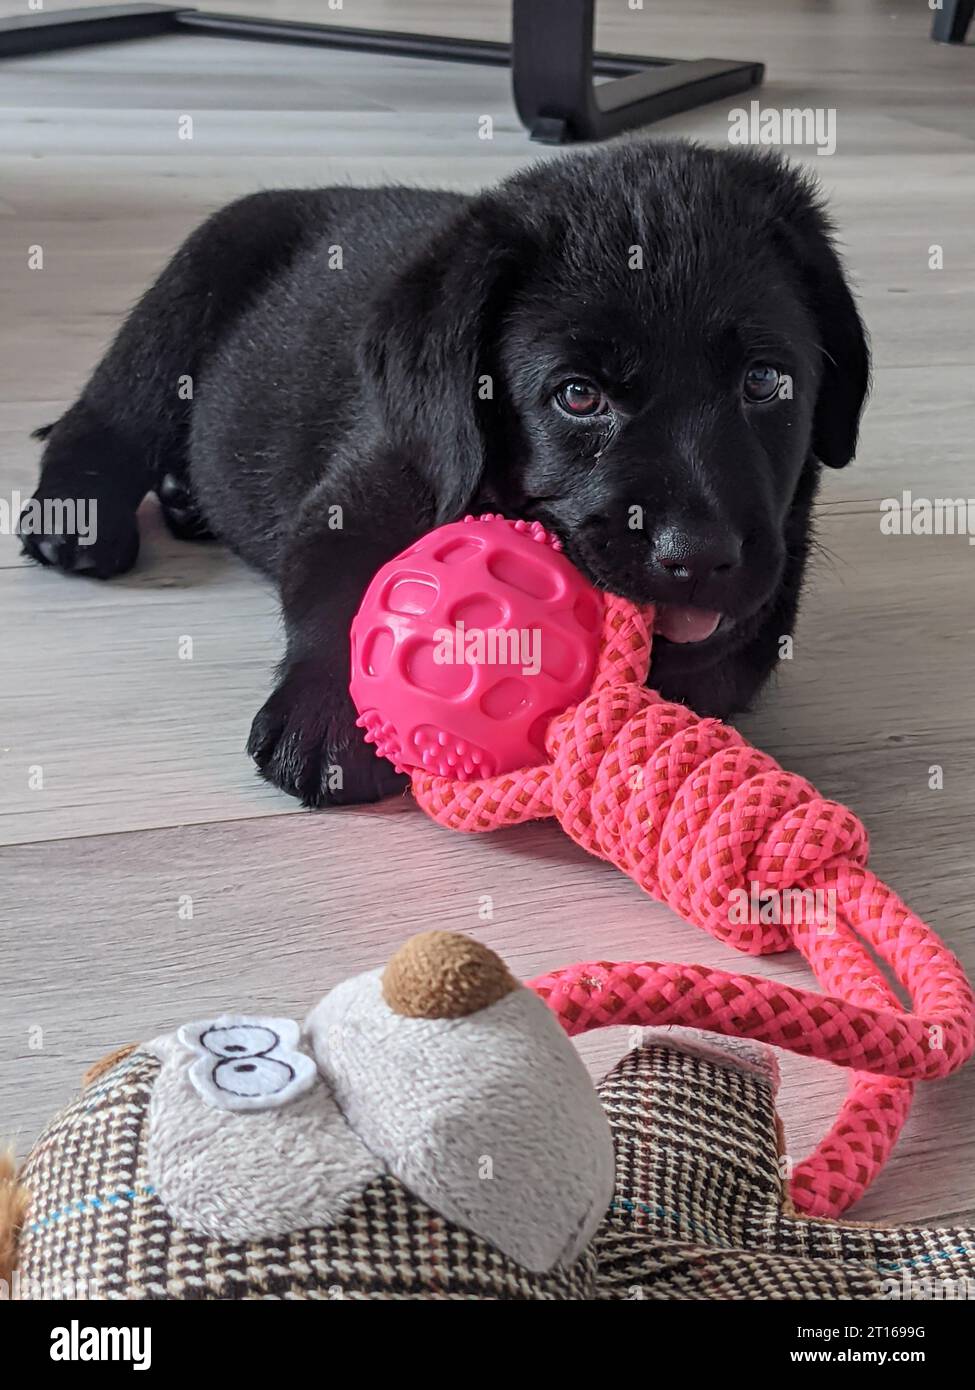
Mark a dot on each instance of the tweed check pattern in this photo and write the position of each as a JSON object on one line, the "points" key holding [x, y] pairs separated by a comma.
{"points": [[96, 1229], [693, 813], [699, 1213]]}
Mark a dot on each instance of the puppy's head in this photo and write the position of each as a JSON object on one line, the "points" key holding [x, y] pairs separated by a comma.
{"points": [[648, 349]]}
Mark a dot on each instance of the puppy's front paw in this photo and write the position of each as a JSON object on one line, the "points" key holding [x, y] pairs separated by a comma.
{"points": [[305, 741]]}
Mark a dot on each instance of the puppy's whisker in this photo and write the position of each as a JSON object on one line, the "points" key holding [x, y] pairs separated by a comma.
{"points": [[818, 550]]}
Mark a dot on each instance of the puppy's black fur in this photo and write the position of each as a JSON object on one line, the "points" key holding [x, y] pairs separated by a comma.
{"points": [[366, 363]]}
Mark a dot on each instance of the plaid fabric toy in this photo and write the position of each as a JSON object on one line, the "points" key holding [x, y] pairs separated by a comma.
{"points": [[430, 1132]]}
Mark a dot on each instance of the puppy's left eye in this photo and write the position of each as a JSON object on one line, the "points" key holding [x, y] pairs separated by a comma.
{"points": [[761, 383], [581, 398]]}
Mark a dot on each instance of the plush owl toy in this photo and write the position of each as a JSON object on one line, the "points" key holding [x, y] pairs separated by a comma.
{"points": [[429, 1132], [429, 1128]]}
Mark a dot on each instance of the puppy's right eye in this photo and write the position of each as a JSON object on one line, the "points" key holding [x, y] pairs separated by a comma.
{"points": [[761, 383], [581, 398]]}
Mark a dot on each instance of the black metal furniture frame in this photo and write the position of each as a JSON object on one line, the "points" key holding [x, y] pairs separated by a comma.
{"points": [[951, 21], [551, 58]]}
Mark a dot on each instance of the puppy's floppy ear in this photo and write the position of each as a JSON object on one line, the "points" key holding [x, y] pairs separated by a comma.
{"points": [[429, 341], [805, 233]]}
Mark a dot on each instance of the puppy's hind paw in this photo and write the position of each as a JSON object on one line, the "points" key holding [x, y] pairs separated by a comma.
{"points": [[89, 535], [181, 511]]}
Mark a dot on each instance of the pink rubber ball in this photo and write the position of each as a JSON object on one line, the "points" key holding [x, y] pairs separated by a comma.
{"points": [[467, 644]]}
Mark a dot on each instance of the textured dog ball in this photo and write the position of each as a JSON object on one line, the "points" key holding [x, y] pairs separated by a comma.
{"points": [[468, 643], [439, 974]]}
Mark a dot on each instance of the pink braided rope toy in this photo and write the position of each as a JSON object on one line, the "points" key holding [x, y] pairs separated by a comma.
{"points": [[705, 814]]}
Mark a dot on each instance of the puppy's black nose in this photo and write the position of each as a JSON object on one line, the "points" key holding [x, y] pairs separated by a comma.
{"points": [[685, 555]]}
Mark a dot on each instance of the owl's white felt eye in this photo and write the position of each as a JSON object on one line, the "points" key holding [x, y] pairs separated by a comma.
{"points": [[252, 1076], [248, 1063], [239, 1040]]}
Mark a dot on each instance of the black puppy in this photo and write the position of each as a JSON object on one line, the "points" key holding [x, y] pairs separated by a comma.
{"points": [[650, 349]]}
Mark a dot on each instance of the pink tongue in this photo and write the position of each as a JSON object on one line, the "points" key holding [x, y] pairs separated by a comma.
{"points": [[681, 624]]}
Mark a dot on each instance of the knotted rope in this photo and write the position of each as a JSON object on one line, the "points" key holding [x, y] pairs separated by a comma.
{"points": [[693, 813]]}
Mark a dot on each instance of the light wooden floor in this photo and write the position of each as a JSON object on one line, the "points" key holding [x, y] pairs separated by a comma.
{"points": [[147, 794]]}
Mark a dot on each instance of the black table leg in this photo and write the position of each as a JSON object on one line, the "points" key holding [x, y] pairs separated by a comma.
{"points": [[950, 23], [553, 65]]}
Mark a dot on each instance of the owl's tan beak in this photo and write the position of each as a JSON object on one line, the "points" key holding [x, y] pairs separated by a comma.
{"points": [[440, 974]]}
